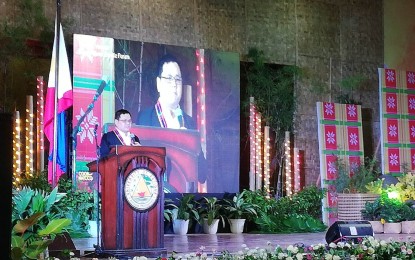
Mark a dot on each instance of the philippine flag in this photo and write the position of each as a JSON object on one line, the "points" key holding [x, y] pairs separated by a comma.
{"points": [[65, 100]]}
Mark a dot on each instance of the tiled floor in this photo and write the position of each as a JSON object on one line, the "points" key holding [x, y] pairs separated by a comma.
{"points": [[227, 241]]}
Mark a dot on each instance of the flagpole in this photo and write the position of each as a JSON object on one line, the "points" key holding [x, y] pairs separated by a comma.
{"points": [[55, 115]]}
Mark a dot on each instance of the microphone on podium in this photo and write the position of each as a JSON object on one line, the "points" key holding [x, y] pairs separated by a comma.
{"points": [[133, 142]]}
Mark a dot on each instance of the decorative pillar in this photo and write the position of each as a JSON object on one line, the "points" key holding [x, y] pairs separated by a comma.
{"points": [[298, 170], [17, 149], [29, 136], [252, 144], [258, 148], [266, 160], [288, 179], [40, 147]]}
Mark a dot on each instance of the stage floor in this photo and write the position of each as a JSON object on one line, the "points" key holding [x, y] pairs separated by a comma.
{"points": [[231, 242]]}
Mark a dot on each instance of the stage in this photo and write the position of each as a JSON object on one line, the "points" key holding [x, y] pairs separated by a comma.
{"points": [[228, 241]]}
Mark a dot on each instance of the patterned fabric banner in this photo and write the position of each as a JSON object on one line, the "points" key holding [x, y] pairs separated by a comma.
{"points": [[397, 118], [93, 63], [340, 138]]}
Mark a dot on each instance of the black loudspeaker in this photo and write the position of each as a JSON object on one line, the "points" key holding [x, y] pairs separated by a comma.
{"points": [[6, 162], [348, 230]]}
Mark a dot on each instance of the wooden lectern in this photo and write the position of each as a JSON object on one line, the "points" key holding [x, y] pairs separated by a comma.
{"points": [[132, 200]]}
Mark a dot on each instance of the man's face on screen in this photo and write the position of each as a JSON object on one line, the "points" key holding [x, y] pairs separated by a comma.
{"points": [[169, 85], [123, 123]]}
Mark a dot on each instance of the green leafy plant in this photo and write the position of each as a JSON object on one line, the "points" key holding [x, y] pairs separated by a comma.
{"points": [[375, 186], [355, 180], [209, 208], [391, 210], [78, 206], [408, 212], [348, 85], [239, 208], [372, 210], [185, 209], [36, 221], [405, 187], [36, 180]]}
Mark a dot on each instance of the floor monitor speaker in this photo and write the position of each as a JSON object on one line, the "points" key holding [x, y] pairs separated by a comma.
{"points": [[348, 230]]}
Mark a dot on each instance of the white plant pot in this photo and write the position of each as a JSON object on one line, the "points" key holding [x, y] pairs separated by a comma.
{"points": [[392, 228], [377, 226], [237, 225], [180, 226], [408, 227], [212, 228]]}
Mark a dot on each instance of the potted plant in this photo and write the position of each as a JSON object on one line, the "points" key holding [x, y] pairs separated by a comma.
{"points": [[210, 212], [181, 213], [237, 210], [352, 188], [391, 214], [408, 216], [371, 213]]}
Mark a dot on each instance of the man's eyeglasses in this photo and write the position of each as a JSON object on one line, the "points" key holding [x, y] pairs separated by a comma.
{"points": [[171, 79], [125, 121]]}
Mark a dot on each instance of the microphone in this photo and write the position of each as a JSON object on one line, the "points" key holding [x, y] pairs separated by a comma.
{"points": [[95, 129], [179, 113], [133, 142], [100, 89]]}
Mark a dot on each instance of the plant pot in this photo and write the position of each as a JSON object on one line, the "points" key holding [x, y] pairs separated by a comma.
{"points": [[237, 225], [212, 228], [180, 226], [350, 205], [392, 228], [377, 226], [408, 227]]}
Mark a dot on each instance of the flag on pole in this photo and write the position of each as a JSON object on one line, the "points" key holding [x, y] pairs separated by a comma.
{"points": [[65, 100]]}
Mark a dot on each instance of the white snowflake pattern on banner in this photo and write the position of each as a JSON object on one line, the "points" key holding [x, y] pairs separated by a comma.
{"points": [[354, 167], [331, 168], [413, 131], [391, 102], [352, 111], [331, 137], [353, 139], [329, 109], [411, 78], [87, 126], [390, 75], [413, 159], [333, 197], [411, 103], [393, 159], [393, 130]]}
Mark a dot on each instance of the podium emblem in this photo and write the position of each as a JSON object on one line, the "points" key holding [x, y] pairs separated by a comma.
{"points": [[141, 189]]}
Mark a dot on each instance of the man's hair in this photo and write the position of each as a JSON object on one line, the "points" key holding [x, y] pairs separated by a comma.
{"points": [[165, 59], [121, 112]]}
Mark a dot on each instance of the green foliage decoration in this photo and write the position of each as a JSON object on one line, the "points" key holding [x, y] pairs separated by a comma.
{"points": [[273, 91], [239, 208], [184, 208], [210, 208], [35, 222], [355, 180], [78, 206]]}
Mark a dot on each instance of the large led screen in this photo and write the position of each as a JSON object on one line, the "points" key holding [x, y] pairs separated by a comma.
{"points": [[188, 104]]}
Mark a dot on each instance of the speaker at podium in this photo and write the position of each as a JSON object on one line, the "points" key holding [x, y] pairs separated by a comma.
{"points": [[348, 230]]}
